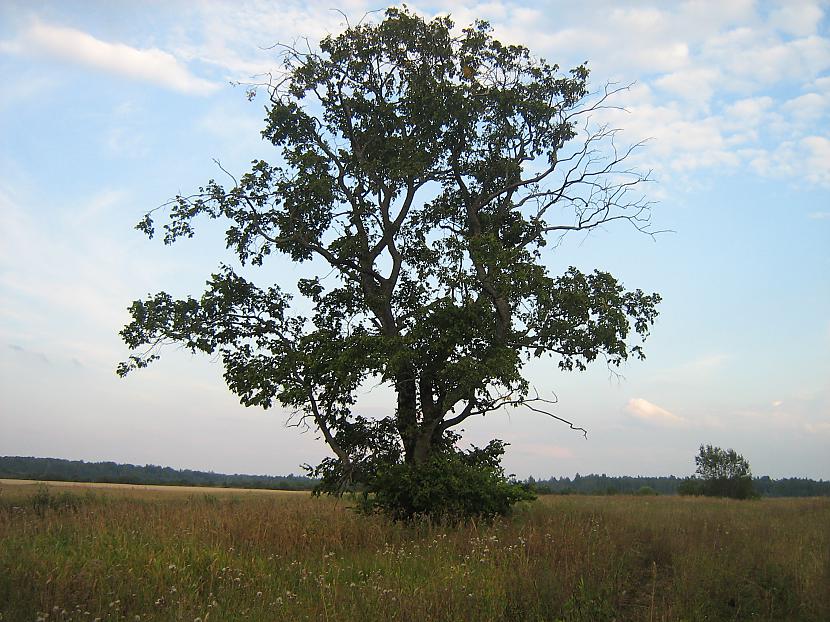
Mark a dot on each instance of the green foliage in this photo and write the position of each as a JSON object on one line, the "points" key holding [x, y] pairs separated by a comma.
{"points": [[602, 484], [45, 500], [587, 605], [423, 170], [646, 491], [451, 486], [720, 473], [691, 486], [790, 487]]}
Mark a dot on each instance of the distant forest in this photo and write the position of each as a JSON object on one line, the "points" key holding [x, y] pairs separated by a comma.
{"points": [[56, 469], [609, 485]]}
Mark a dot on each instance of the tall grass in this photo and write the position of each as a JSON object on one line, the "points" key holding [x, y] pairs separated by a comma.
{"points": [[293, 557]]}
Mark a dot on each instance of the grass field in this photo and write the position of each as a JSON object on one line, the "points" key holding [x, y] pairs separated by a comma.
{"points": [[131, 553]]}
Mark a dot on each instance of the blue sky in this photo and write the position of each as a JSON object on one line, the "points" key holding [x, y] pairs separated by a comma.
{"points": [[108, 109]]}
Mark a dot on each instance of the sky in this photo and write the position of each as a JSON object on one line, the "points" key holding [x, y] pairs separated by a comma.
{"points": [[108, 109]]}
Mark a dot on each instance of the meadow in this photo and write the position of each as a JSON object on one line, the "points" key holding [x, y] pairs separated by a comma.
{"points": [[89, 553]]}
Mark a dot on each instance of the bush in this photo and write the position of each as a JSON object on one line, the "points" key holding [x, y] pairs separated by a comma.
{"points": [[646, 491], [719, 473], [690, 486], [451, 486], [44, 500], [736, 487]]}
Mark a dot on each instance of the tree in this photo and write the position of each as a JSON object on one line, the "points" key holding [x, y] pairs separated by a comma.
{"points": [[421, 173], [719, 473]]}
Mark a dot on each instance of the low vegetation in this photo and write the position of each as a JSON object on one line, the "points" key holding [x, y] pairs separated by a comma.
{"points": [[217, 555]]}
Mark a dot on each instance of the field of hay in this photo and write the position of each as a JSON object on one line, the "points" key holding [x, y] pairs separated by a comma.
{"points": [[125, 553], [144, 491]]}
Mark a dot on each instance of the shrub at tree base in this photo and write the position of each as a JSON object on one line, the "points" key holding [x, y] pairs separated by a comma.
{"points": [[449, 487]]}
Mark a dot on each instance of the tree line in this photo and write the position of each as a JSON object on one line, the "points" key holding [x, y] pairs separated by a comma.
{"points": [[56, 469], [603, 484]]}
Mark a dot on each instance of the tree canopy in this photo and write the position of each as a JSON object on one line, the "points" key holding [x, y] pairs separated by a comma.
{"points": [[421, 171], [719, 473]]}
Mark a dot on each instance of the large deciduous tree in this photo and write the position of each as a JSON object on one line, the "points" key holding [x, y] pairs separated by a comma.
{"points": [[422, 170]]}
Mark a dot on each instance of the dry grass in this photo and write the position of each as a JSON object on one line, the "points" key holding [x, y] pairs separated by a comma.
{"points": [[139, 555], [145, 491]]}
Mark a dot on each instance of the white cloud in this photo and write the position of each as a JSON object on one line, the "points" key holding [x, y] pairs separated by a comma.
{"points": [[149, 65], [696, 85], [236, 37], [646, 411], [808, 107], [808, 157], [681, 142], [817, 159], [797, 18], [747, 114]]}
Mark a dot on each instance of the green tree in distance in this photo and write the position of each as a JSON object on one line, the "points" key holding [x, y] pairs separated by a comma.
{"points": [[719, 473], [421, 172]]}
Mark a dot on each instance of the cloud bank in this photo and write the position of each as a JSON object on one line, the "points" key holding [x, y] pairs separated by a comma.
{"points": [[148, 65]]}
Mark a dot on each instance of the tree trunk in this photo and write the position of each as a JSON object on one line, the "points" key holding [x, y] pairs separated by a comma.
{"points": [[423, 449], [407, 413]]}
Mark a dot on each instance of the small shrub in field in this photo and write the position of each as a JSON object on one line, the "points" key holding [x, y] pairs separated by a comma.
{"points": [[44, 499]]}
